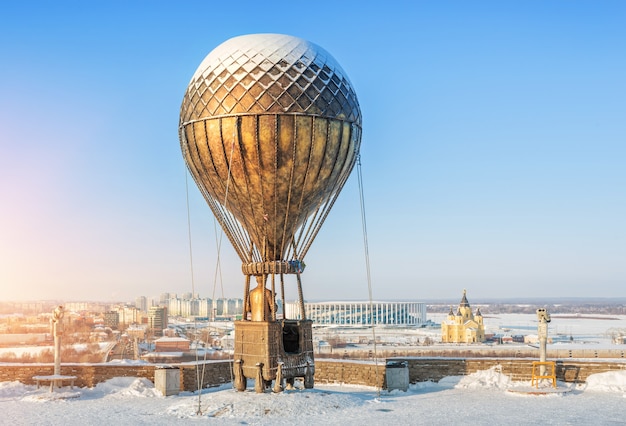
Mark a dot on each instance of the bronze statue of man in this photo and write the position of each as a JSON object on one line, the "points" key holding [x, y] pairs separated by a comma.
{"points": [[261, 301]]}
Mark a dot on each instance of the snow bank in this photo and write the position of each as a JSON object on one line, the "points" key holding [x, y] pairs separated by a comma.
{"points": [[12, 389], [491, 378], [610, 381], [127, 386], [230, 404]]}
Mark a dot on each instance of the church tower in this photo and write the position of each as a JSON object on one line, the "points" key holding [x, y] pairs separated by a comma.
{"points": [[464, 326]]}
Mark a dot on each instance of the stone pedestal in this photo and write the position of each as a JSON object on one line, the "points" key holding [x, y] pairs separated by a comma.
{"points": [[167, 380], [262, 347]]}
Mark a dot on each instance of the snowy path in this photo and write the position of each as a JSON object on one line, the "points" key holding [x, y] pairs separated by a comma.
{"points": [[481, 399]]}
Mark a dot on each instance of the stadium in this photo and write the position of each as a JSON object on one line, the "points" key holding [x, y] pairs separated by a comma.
{"points": [[360, 314]]}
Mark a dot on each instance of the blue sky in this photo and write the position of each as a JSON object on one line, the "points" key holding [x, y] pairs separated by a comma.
{"points": [[494, 148]]}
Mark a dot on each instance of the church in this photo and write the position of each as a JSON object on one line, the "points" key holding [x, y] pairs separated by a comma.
{"points": [[463, 327]]}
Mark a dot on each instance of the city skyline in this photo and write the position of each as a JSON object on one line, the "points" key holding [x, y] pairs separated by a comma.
{"points": [[492, 153]]}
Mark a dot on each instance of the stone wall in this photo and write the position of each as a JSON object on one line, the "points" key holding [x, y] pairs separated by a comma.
{"points": [[211, 373], [353, 372], [434, 369], [88, 375], [368, 373]]}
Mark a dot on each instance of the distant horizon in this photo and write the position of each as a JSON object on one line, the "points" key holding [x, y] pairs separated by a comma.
{"points": [[495, 300]]}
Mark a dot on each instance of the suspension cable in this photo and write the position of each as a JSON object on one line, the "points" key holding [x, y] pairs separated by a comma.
{"points": [[367, 266], [193, 290], [193, 286], [218, 273]]}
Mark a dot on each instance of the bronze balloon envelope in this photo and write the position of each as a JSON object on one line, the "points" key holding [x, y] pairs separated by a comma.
{"points": [[270, 129]]}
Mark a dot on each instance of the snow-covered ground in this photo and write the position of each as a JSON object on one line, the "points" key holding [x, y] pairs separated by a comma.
{"points": [[566, 332], [585, 331], [483, 398], [581, 327]]}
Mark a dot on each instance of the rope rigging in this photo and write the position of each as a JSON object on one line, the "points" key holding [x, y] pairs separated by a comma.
{"points": [[193, 287], [218, 273], [367, 264]]}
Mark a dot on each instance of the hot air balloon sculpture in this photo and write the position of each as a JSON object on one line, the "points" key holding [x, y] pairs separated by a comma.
{"points": [[270, 129]]}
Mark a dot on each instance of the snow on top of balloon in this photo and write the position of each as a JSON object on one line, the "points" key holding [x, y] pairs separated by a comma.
{"points": [[272, 73]]}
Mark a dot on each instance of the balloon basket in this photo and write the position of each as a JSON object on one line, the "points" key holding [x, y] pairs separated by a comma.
{"points": [[269, 351]]}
